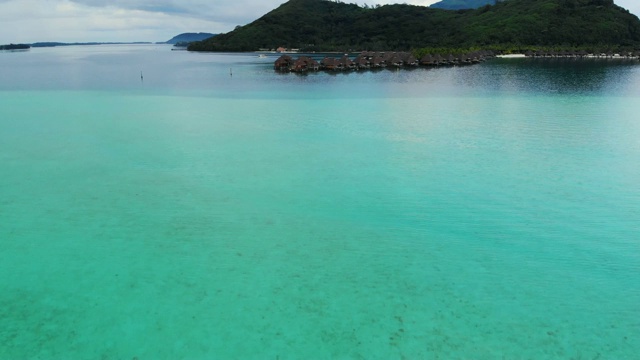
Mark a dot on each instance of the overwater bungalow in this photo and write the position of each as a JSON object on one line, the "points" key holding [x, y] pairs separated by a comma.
{"points": [[329, 63], [346, 64], [283, 63], [386, 57], [409, 59], [395, 61], [300, 65], [361, 62], [310, 63], [426, 60], [376, 62], [451, 60]]}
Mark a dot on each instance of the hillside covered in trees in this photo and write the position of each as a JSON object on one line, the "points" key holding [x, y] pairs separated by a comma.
{"points": [[321, 25]]}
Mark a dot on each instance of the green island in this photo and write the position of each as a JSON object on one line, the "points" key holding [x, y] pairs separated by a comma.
{"points": [[509, 26], [15, 47]]}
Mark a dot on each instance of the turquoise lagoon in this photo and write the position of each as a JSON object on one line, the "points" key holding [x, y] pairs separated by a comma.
{"points": [[484, 212]]}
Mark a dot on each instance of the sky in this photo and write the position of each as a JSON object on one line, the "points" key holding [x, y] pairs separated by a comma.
{"points": [[29, 21]]}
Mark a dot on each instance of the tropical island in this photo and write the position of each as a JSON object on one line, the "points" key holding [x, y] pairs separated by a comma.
{"points": [[509, 26]]}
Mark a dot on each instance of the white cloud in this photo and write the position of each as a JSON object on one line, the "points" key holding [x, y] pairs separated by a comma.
{"points": [[37, 20]]}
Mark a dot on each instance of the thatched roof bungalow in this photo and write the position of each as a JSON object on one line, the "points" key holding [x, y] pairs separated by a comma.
{"points": [[386, 57], [305, 63], [311, 63], [361, 62], [299, 66], [408, 59], [329, 63], [451, 60], [395, 60], [376, 62], [346, 64], [426, 60], [283, 63]]}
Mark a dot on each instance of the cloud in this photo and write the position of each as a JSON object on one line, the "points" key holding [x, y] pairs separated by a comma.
{"points": [[238, 12], [162, 6], [69, 21]]}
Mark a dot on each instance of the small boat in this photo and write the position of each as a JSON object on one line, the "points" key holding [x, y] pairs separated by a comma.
{"points": [[262, 56]]}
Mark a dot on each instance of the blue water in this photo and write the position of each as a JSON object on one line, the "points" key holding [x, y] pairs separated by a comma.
{"points": [[481, 212]]}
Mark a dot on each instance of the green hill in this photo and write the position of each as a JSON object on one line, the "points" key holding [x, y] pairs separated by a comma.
{"points": [[321, 25], [461, 4]]}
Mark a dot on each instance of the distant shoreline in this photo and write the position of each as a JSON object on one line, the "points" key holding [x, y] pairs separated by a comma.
{"points": [[15, 47], [54, 44]]}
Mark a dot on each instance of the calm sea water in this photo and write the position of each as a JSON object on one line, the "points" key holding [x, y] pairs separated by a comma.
{"points": [[218, 210]]}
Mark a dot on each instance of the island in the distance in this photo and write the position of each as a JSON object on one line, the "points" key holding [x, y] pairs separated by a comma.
{"points": [[186, 38], [15, 47], [178, 40]]}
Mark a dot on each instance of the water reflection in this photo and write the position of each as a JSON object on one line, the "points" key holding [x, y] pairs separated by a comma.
{"points": [[613, 76], [118, 68]]}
